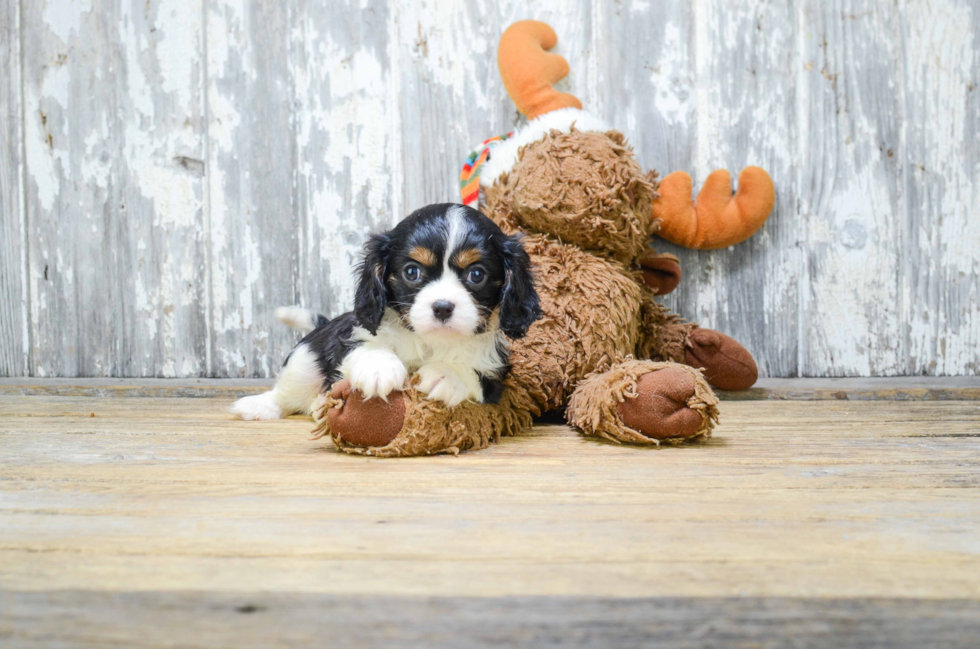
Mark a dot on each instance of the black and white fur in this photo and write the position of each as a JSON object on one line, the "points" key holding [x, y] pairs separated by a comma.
{"points": [[446, 322]]}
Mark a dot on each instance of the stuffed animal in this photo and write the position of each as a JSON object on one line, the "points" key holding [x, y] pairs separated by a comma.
{"points": [[619, 364]]}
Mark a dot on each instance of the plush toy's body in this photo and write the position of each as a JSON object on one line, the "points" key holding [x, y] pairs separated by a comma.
{"points": [[622, 366]]}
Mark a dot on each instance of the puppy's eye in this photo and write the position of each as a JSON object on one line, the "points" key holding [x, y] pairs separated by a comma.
{"points": [[476, 276], [412, 273]]}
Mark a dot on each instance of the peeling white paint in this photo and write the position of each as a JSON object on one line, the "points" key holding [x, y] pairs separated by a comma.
{"points": [[672, 86], [869, 265], [941, 57], [63, 22], [179, 29]]}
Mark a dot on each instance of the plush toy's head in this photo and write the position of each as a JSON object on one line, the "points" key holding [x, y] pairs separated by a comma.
{"points": [[582, 187], [567, 174]]}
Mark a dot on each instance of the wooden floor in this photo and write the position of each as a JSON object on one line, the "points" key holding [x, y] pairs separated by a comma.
{"points": [[165, 522]]}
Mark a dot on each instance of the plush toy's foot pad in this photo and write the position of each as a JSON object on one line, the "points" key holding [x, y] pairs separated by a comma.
{"points": [[365, 422], [725, 363], [659, 410], [644, 402]]}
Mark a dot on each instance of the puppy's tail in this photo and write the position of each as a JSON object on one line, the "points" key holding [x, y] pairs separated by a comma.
{"points": [[300, 319]]}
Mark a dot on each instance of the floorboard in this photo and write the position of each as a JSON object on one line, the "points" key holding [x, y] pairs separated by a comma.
{"points": [[166, 521]]}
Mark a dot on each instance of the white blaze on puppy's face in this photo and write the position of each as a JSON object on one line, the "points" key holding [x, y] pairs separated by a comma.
{"points": [[447, 295]]}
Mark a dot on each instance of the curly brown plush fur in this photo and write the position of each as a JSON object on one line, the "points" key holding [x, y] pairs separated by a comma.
{"points": [[582, 188]]}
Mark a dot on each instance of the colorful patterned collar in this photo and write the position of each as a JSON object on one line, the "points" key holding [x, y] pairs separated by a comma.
{"points": [[469, 177]]}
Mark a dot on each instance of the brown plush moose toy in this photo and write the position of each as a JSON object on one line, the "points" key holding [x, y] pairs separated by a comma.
{"points": [[620, 365]]}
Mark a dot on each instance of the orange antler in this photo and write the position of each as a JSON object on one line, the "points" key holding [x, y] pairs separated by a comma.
{"points": [[528, 70], [717, 219]]}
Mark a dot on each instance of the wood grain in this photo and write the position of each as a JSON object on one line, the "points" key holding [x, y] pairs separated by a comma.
{"points": [[853, 189], [811, 521], [743, 99], [195, 619], [303, 135], [941, 231], [113, 109], [254, 221], [794, 499], [190, 167], [14, 342]]}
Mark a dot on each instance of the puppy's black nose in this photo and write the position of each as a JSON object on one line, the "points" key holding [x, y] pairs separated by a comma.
{"points": [[443, 310]]}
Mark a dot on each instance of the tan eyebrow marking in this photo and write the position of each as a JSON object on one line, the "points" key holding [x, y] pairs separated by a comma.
{"points": [[423, 255], [464, 258]]}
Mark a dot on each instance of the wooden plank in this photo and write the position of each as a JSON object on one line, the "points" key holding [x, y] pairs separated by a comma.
{"points": [[193, 619], [303, 133], [253, 223], [790, 499], [345, 102], [851, 188], [745, 98], [649, 50], [957, 388], [113, 111], [941, 269], [905, 388], [163, 522], [121, 388], [14, 341]]}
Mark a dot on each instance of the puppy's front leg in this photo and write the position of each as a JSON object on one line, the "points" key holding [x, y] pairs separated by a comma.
{"points": [[449, 383], [374, 371]]}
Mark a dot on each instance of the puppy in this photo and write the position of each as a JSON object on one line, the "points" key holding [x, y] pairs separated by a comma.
{"points": [[439, 295]]}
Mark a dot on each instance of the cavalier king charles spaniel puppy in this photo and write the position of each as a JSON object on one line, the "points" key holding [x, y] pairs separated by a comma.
{"points": [[438, 296]]}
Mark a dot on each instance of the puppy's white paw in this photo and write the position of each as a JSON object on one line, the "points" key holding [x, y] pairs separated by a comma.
{"points": [[259, 407], [442, 384], [377, 373]]}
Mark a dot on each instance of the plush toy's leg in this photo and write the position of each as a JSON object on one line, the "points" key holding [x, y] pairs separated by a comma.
{"points": [[408, 423], [665, 337], [644, 402], [725, 362]]}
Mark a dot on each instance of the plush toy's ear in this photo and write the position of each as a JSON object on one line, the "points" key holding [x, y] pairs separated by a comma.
{"points": [[528, 70], [519, 304], [371, 296], [717, 219]]}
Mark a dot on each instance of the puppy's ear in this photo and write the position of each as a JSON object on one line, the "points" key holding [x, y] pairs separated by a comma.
{"points": [[371, 296], [519, 304]]}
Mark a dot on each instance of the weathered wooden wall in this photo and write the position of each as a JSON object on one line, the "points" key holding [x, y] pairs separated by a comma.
{"points": [[172, 170]]}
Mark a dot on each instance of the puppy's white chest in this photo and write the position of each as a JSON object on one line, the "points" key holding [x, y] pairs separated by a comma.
{"points": [[449, 368], [480, 353]]}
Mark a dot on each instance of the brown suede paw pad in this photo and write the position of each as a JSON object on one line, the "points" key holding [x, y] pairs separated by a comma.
{"points": [[725, 363], [644, 402], [659, 410], [365, 422]]}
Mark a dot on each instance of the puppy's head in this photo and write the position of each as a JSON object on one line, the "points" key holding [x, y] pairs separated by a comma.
{"points": [[447, 270]]}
